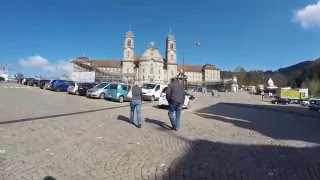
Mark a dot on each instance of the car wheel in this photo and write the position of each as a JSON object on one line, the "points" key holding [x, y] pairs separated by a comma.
{"points": [[152, 98], [121, 99], [101, 96]]}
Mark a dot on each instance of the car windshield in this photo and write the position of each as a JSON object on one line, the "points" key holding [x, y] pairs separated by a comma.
{"points": [[101, 85], [148, 86]]}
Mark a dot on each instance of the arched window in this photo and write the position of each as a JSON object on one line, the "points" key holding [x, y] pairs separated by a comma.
{"points": [[128, 54], [171, 57], [129, 42], [151, 70], [127, 70]]}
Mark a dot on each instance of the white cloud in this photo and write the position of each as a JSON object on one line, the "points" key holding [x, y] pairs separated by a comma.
{"points": [[34, 61], [40, 63], [309, 16]]}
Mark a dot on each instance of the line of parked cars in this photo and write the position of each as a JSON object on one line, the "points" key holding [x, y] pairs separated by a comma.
{"points": [[107, 90], [312, 104]]}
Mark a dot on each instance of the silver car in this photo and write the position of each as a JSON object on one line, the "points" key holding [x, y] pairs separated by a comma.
{"points": [[99, 91]]}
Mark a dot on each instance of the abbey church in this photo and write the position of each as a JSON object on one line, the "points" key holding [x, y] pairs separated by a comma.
{"points": [[150, 66]]}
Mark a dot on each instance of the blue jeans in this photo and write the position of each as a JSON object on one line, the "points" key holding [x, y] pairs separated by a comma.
{"points": [[174, 114], [135, 105]]}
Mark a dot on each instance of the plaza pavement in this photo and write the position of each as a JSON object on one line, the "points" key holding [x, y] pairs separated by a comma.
{"points": [[236, 136]]}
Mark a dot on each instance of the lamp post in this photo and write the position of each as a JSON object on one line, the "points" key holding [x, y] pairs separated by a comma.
{"points": [[183, 70]]}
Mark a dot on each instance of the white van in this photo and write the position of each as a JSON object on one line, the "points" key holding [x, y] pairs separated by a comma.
{"points": [[152, 91]]}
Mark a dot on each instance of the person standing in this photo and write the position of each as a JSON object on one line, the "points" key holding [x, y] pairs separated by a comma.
{"points": [[175, 96], [135, 104]]}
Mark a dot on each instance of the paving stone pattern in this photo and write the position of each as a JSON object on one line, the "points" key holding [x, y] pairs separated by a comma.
{"points": [[84, 138]]}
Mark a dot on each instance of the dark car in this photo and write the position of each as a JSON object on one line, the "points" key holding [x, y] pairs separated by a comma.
{"points": [[26, 81], [34, 82], [42, 83], [280, 101], [83, 88]]}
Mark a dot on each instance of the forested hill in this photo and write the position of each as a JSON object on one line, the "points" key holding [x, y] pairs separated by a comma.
{"points": [[302, 75]]}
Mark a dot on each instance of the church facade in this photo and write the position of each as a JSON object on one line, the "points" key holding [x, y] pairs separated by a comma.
{"points": [[150, 66]]}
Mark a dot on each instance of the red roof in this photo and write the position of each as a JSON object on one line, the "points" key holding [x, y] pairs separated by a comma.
{"points": [[107, 63], [210, 66], [190, 68]]}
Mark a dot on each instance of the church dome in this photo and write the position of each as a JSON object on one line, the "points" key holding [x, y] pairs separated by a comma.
{"points": [[129, 33], [171, 36]]}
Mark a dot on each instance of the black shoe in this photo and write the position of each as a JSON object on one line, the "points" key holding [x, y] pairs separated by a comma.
{"points": [[139, 125], [173, 128]]}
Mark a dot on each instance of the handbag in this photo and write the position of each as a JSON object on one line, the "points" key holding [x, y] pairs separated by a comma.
{"points": [[129, 95]]}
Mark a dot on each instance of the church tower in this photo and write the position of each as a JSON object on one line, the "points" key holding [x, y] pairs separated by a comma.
{"points": [[171, 51], [128, 50], [171, 57], [128, 55]]}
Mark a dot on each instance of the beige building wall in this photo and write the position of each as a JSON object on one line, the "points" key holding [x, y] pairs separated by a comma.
{"points": [[194, 76]]}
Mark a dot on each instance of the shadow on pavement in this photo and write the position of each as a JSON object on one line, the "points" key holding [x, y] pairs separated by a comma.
{"points": [[203, 159], [159, 123], [270, 121], [59, 115]]}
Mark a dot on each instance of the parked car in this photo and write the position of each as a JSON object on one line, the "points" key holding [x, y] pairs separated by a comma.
{"points": [[118, 92], [305, 102], [25, 81], [73, 87], [280, 101], [98, 91], [34, 82], [60, 85], [314, 105], [42, 83], [47, 86], [163, 100], [83, 88], [152, 91]]}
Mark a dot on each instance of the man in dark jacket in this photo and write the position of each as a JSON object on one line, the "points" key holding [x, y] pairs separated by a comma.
{"points": [[175, 96], [135, 104]]}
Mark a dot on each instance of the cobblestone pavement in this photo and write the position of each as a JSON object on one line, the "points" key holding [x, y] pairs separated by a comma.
{"points": [[236, 136]]}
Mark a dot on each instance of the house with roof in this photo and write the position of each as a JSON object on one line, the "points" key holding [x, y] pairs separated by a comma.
{"points": [[150, 66]]}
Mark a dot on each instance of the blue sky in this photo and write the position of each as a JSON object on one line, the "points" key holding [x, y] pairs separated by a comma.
{"points": [[36, 37]]}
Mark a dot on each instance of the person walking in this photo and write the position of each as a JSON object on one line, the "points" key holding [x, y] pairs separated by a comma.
{"points": [[175, 96], [135, 104]]}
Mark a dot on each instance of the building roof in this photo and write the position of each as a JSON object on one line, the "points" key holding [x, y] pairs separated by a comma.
{"points": [[190, 68], [171, 36], [82, 58], [129, 33], [210, 66], [107, 63]]}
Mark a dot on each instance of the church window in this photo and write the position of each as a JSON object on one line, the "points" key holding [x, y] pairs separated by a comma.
{"points": [[128, 54], [171, 57], [129, 42], [159, 71], [171, 46], [143, 70], [171, 72], [127, 70], [151, 70]]}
